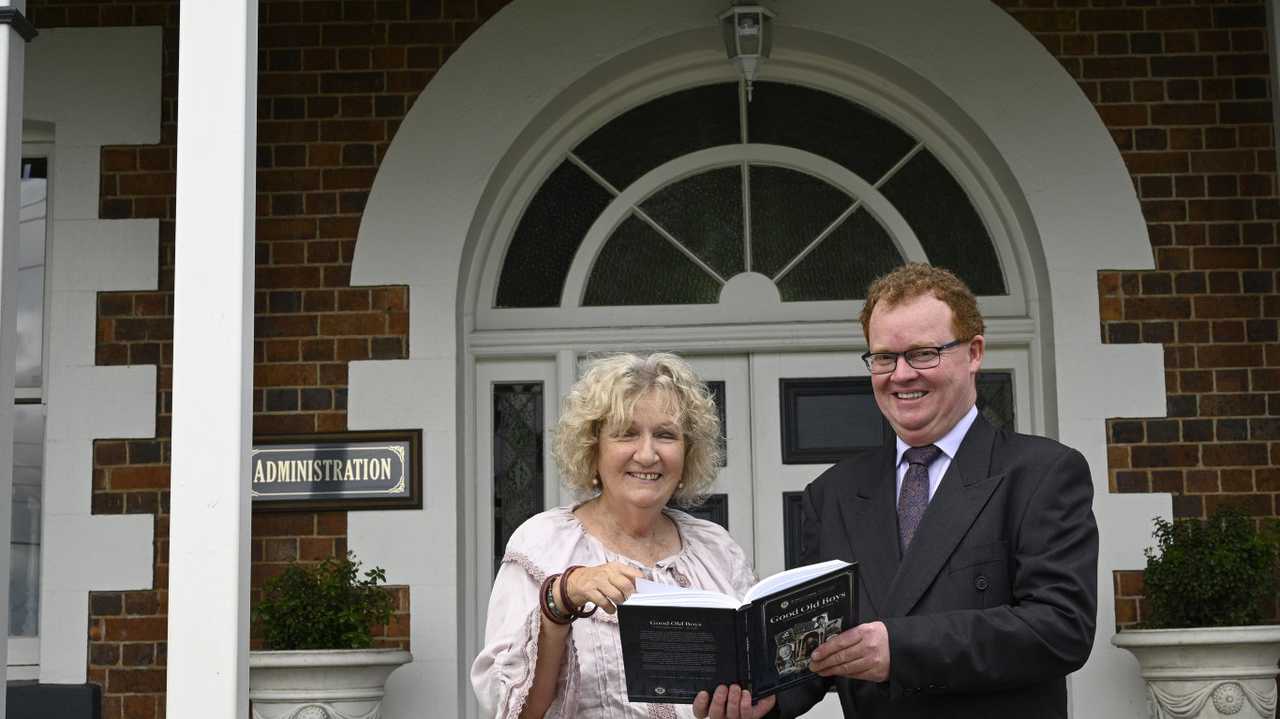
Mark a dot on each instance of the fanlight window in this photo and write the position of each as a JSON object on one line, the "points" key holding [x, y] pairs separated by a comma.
{"points": [[756, 205]]}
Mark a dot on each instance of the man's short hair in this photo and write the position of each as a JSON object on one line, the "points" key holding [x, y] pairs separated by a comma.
{"points": [[915, 279]]}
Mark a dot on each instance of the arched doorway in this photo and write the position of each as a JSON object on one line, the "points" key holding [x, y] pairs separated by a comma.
{"points": [[461, 174]]}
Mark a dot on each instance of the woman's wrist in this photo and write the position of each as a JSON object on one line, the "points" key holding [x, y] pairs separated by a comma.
{"points": [[567, 603], [551, 610]]}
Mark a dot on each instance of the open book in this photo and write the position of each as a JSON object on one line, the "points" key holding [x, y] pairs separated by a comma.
{"points": [[677, 642]]}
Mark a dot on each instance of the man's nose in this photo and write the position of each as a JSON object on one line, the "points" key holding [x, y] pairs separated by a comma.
{"points": [[903, 371]]}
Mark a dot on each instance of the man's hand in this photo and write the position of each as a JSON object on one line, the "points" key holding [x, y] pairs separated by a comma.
{"points": [[730, 703], [859, 653]]}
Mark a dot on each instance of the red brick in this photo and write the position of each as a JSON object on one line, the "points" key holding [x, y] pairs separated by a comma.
{"points": [[331, 422], [286, 326], [1146, 308], [1265, 379], [1123, 115], [366, 323], [143, 477], [1140, 163], [133, 681], [135, 629], [1224, 257], [1217, 307], [141, 706], [1220, 210], [283, 424], [286, 229], [313, 549], [1229, 356], [1232, 405], [141, 603], [283, 524], [280, 550], [284, 375], [331, 523], [106, 453], [1169, 455]]}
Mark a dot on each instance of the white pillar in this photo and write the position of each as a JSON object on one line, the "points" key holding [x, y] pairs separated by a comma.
{"points": [[12, 53], [212, 360]]}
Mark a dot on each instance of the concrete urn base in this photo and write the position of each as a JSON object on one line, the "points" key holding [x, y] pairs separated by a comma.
{"points": [[321, 684], [1207, 673]]}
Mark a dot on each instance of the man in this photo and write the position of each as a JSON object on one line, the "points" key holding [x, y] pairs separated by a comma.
{"points": [[977, 546]]}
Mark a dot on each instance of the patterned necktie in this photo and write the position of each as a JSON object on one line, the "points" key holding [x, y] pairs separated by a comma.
{"points": [[915, 492]]}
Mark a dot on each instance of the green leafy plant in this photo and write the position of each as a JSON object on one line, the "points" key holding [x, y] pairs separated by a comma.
{"points": [[1215, 573], [323, 606]]}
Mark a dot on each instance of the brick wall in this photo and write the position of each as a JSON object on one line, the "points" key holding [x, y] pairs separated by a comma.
{"points": [[1185, 90], [1183, 87]]}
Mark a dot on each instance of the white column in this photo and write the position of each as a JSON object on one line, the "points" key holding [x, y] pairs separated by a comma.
{"points": [[212, 360], [12, 53]]}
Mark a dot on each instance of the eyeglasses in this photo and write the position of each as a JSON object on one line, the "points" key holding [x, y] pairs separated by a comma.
{"points": [[917, 358]]}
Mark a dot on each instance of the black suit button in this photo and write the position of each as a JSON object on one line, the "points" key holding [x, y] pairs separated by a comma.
{"points": [[981, 583]]}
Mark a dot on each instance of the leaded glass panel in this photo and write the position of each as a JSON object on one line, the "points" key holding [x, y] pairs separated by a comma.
{"points": [[716, 388], [547, 237], [704, 213], [663, 129], [789, 209], [844, 264], [995, 398], [638, 266], [946, 222], [517, 459], [826, 125]]}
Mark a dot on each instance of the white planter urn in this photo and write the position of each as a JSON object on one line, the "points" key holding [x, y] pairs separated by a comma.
{"points": [[321, 684], [1207, 673]]}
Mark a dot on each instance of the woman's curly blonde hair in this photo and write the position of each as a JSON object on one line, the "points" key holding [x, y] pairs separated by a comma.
{"points": [[607, 395]]}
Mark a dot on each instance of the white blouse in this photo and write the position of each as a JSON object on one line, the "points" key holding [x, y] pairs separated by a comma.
{"points": [[592, 682]]}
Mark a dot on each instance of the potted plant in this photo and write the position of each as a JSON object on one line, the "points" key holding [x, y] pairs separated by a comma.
{"points": [[316, 624], [1201, 646]]}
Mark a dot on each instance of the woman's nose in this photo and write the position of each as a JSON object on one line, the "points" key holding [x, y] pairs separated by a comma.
{"points": [[646, 453]]}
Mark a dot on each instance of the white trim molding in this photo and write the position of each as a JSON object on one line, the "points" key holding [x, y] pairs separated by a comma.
{"points": [[80, 552], [1004, 115]]}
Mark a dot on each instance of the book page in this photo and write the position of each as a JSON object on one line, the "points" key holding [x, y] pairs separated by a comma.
{"points": [[792, 577], [654, 594]]}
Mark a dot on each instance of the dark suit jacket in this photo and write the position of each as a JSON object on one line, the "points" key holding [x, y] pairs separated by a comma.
{"points": [[995, 601]]}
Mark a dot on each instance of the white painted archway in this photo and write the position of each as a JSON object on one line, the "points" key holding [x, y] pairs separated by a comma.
{"points": [[1041, 139]]}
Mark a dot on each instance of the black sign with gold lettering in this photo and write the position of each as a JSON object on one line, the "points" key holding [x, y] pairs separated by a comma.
{"points": [[347, 470]]}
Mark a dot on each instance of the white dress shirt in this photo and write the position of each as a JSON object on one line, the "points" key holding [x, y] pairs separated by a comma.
{"points": [[949, 443]]}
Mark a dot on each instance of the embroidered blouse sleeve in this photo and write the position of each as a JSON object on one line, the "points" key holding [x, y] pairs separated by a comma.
{"points": [[502, 674]]}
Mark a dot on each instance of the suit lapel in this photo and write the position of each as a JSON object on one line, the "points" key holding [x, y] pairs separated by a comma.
{"points": [[961, 495], [871, 524]]}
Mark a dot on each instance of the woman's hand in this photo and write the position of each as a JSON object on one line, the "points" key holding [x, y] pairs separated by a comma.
{"points": [[605, 585], [730, 703]]}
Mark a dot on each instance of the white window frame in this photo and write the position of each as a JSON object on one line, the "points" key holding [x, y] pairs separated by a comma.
{"points": [[552, 147]]}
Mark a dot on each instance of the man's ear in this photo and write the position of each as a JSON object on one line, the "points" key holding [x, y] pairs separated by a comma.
{"points": [[977, 350]]}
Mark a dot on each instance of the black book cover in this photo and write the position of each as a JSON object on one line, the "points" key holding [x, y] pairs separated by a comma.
{"points": [[672, 652]]}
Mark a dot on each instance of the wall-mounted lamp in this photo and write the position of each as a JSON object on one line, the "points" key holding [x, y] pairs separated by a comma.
{"points": [[748, 38]]}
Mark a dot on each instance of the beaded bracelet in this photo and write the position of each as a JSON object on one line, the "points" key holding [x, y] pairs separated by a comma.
{"points": [[548, 603], [579, 612]]}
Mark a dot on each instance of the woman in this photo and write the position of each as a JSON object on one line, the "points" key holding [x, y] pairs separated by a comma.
{"points": [[635, 432]]}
